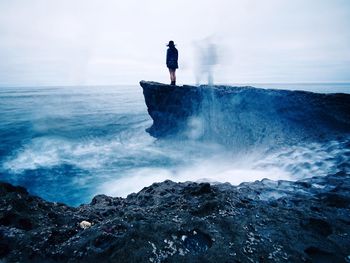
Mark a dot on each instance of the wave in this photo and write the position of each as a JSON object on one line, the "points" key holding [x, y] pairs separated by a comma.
{"points": [[215, 134]]}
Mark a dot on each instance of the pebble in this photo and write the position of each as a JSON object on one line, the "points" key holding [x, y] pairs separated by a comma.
{"points": [[85, 224]]}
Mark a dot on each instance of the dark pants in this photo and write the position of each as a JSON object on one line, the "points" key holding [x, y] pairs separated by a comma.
{"points": [[172, 75]]}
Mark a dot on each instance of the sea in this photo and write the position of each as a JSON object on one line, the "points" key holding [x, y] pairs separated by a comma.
{"points": [[68, 144]]}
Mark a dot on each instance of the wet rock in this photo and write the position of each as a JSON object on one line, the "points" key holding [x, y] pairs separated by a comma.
{"points": [[258, 115], [336, 200], [196, 241], [321, 256], [262, 221], [318, 226], [4, 250]]}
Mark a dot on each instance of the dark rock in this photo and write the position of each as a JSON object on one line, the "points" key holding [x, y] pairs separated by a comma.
{"points": [[336, 200], [196, 241], [245, 116], [9, 188], [318, 226], [321, 256], [25, 224], [169, 106], [4, 250], [184, 222]]}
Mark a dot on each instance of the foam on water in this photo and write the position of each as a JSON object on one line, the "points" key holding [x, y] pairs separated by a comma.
{"points": [[78, 143], [307, 160], [294, 163]]}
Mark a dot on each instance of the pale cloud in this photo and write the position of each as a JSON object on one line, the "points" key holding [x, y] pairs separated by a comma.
{"points": [[63, 42]]}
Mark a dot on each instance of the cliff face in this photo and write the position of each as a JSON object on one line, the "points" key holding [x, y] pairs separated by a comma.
{"points": [[264, 221], [170, 106], [243, 116]]}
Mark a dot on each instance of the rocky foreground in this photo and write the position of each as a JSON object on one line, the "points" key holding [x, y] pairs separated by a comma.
{"points": [[264, 221]]}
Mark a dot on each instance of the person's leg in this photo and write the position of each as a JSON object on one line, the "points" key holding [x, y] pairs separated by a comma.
{"points": [[172, 76]]}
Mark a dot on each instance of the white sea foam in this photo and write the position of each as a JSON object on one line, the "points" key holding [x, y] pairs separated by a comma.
{"points": [[210, 171], [85, 154], [308, 160], [123, 166], [292, 163], [73, 143]]}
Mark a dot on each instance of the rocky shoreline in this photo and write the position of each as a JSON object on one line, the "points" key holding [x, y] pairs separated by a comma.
{"points": [[262, 221]]}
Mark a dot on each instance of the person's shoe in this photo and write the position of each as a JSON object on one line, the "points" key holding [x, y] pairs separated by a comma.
{"points": [[173, 83]]}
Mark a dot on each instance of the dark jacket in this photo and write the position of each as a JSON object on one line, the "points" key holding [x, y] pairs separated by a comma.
{"points": [[171, 58]]}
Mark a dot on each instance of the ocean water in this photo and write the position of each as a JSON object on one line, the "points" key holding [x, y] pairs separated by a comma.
{"points": [[67, 144]]}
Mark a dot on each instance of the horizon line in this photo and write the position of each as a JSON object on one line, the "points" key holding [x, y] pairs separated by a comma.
{"points": [[194, 84]]}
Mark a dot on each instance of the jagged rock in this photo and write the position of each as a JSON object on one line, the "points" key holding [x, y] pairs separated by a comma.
{"points": [[307, 221]]}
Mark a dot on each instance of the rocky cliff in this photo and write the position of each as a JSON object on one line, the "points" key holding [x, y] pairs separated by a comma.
{"points": [[264, 221], [244, 116]]}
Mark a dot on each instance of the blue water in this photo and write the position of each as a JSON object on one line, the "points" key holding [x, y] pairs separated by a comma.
{"points": [[67, 144]]}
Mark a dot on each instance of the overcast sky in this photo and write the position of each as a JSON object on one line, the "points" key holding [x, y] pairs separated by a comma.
{"points": [[87, 42]]}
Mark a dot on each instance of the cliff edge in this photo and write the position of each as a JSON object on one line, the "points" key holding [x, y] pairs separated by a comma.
{"points": [[244, 116]]}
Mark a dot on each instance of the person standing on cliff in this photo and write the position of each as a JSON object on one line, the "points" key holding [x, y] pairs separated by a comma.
{"points": [[172, 56]]}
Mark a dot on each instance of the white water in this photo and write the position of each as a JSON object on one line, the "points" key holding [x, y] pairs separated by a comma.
{"points": [[69, 144]]}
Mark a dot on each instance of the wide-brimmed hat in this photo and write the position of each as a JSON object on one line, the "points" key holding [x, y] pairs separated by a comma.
{"points": [[171, 44]]}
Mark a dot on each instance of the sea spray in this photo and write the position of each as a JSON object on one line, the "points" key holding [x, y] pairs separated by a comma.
{"points": [[98, 143]]}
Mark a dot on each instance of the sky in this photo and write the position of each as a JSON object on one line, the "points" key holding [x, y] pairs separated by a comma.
{"points": [[94, 42]]}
